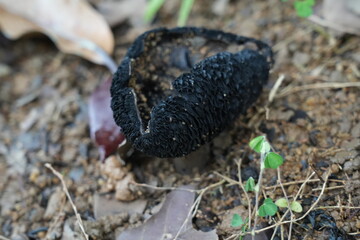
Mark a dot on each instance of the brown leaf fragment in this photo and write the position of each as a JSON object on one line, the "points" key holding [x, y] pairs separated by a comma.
{"points": [[103, 130], [116, 12], [167, 223], [339, 16], [74, 26], [104, 206]]}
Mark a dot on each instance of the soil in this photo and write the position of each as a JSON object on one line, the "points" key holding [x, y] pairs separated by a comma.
{"points": [[44, 119]]}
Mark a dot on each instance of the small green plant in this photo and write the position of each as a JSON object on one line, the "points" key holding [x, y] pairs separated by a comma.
{"points": [[250, 185], [154, 6], [303, 8], [268, 160], [268, 208], [294, 205], [237, 221]]}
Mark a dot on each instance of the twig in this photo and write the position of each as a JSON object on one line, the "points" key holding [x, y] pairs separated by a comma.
{"points": [[303, 216], [238, 163], [329, 188], [288, 203], [232, 181], [289, 209], [301, 182], [78, 218], [292, 89], [334, 207], [163, 188], [275, 88], [308, 179], [262, 168], [196, 204], [3, 238]]}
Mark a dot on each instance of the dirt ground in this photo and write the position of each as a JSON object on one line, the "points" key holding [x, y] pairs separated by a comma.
{"points": [[313, 121]]}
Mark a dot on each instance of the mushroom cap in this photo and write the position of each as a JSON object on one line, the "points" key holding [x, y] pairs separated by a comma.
{"points": [[172, 116]]}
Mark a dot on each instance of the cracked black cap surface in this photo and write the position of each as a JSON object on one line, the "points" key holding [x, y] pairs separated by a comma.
{"points": [[177, 89]]}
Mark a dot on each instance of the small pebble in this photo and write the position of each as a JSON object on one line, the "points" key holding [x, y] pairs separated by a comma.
{"points": [[334, 168], [357, 224]]}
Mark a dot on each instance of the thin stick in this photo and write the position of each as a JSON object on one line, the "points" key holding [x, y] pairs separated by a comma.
{"points": [[78, 218], [303, 216], [335, 207], [164, 188], [238, 163], [292, 89], [301, 182], [288, 202], [3, 238], [275, 88], [262, 168], [196, 204], [329, 188]]}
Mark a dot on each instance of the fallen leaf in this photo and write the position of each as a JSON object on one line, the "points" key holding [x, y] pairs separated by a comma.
{"points": [[103, 129], [168, 221], [107, 207], [73, 25], [337, 15], [116, 12]]}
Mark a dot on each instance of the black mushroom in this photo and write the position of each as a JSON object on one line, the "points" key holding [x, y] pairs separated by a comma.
{"points": [[176, 89]]}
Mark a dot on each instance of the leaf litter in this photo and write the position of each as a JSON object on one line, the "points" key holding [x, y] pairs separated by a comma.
{"points": [[173, 219], [74, 26], [103, 129]]}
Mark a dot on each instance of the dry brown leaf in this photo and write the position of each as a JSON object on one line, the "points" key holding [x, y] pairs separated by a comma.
{"points": [[168, 222], [337, 15], [72, 24], [117, 11], [104, 206]]}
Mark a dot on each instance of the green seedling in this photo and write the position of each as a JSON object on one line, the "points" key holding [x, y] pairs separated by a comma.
{"points": [[295, 206], [303, 8], [273, 160], [250, 185], [237, 220], [154, 6], [268, 208], [268, 160]]}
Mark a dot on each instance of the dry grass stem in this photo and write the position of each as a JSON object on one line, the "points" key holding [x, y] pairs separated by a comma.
{"points": [[275, 88], [337, 207], [65, 189], [329, 188], [293, 89], [238, 163], [3, 238], [308, 211], [164, 188], [301, 182]]}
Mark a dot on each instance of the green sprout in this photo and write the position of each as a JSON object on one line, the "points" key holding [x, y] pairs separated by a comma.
{"points": [[268, 159], [250, 185], [268, 208], [295, 206], [237, 221], [303, 8], [154, 6]]}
